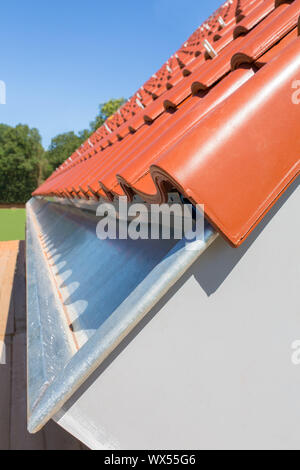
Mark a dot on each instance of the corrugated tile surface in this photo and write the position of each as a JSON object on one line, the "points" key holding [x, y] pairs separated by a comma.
{"points": [[217, 123]]}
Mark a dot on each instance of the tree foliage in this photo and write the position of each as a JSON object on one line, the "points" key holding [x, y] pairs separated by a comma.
{"points": [[21, 161], [105, 111], [61, 147]]}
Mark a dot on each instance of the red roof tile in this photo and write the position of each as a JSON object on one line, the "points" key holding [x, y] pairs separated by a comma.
{"points": [[217, 123]]}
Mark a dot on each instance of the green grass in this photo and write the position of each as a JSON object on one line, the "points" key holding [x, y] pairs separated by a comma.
{"points": [[12, 224]]}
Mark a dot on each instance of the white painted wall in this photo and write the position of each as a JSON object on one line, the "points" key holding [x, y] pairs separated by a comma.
{"points": [[211, 367]]}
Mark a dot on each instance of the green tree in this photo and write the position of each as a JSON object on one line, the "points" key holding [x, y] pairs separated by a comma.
{"points": [[105, 111], [61, 147], [21, 160]]}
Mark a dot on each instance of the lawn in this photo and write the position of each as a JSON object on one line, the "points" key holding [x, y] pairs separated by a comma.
{"points": [[12, 224]]}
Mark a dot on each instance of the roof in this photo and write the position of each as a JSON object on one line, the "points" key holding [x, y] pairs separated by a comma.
{"points": [[216, 123]]}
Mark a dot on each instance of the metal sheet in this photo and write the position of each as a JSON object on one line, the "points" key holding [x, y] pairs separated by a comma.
{"points": [[102, 289]]}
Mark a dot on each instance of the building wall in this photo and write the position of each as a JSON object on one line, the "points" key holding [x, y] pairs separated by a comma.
{"points": [[211, 367]]}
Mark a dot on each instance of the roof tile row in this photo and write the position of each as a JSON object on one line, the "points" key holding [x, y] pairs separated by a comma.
{"points": [[217, 123]]}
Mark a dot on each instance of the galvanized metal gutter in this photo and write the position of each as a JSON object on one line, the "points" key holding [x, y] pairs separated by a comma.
{"points": [[85, 295]]}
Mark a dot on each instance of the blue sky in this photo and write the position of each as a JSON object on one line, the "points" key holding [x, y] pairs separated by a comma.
{"points": [[60, 59]]}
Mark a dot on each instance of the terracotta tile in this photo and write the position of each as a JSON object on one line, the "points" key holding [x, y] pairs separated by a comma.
{"points": [[174, 131]]}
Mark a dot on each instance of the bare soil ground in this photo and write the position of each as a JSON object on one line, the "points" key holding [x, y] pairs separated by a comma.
{"points": [[12, 206]]}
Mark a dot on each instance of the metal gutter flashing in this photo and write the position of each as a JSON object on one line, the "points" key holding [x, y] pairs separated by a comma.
{"points": [[85, 295]]}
